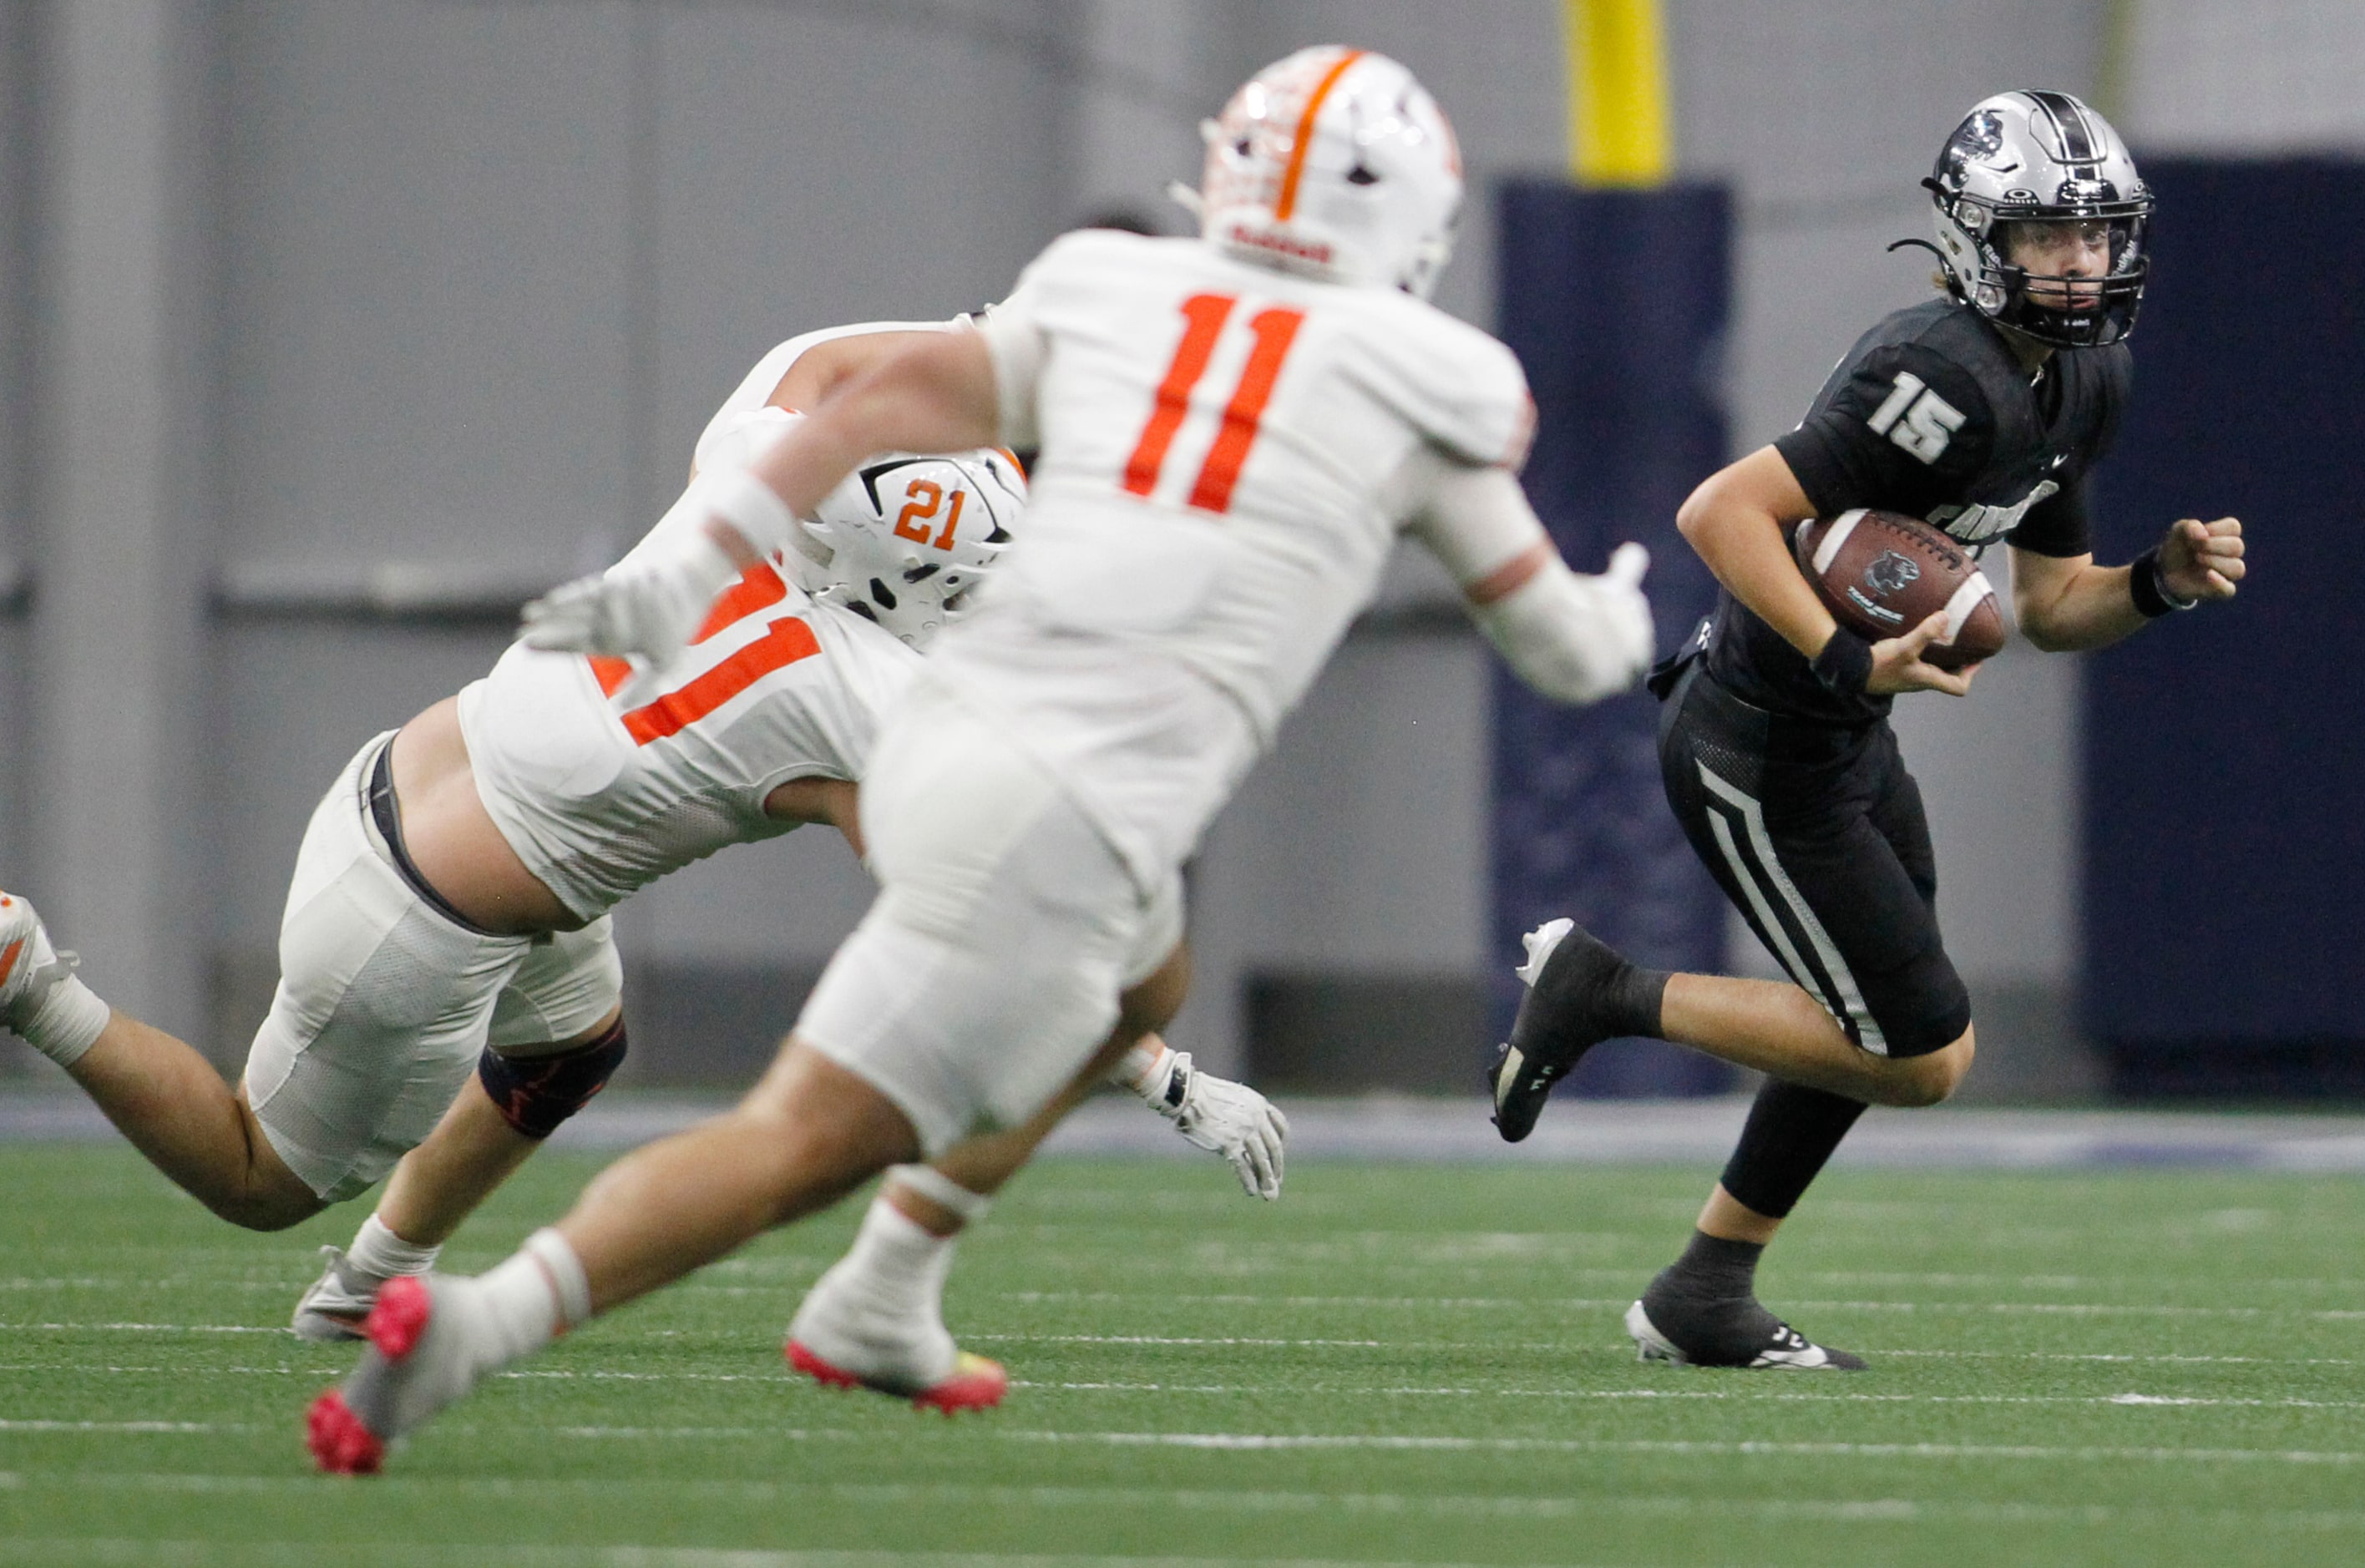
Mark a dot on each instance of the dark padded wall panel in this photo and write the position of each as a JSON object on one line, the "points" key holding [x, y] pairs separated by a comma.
{"points": [[2225, 774], [1616, 301]]}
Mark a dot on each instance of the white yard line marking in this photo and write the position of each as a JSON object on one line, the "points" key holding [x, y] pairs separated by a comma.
{"points": [[1196, 1500], [1618, 1303], [1756, 1394], [199, 1428], [1166, 1339], [1335, 1391], [2160, 1360], [1364, 1442], [302, 1554], [1731, 1447], [140, 1329]]}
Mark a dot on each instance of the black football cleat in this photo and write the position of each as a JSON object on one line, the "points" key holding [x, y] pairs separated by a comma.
{"points": [[1581, 991], [1694, 1333]]}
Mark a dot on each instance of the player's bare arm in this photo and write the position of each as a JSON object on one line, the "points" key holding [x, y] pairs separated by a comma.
{"points": [[823, 368], [1571, 636], [1739, 521], [933, 394], [2065, 606]]}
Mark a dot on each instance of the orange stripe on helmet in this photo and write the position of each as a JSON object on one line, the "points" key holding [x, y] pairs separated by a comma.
{"points": [[1287, 203]]}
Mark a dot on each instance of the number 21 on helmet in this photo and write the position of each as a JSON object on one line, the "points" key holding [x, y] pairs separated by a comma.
{"points": [[904, 540]]}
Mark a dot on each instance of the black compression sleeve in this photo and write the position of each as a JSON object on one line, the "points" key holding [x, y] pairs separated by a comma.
{"points": [[1791, 1131]]}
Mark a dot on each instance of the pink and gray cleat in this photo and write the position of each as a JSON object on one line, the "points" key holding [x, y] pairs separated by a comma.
{"points": [[418, 1363], [974, 1384]]}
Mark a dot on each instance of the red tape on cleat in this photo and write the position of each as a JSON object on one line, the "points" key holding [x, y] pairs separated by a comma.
{"points": [[341, 1445], [820, 1371], [976, 1383], [395, 1324]]}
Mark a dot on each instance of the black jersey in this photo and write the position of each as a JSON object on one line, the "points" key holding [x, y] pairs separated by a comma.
{"points": [[1932, 415]]}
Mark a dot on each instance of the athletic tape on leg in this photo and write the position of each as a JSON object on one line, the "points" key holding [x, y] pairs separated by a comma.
{"points": [[942, 1190], [570, 1288], [535, 1094]]}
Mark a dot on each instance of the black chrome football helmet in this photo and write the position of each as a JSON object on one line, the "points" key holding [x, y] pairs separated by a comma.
{"points": [[2041, 158]]}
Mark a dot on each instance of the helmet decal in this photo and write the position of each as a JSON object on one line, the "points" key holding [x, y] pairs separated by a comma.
{"points": [[1979, 137]]}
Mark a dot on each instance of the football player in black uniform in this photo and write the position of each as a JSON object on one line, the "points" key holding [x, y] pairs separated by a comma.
{"points": [[1982, 411]]}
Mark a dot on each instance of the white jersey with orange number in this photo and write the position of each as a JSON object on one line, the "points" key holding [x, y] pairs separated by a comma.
{"points": [[1226, 454], [599, 798]]}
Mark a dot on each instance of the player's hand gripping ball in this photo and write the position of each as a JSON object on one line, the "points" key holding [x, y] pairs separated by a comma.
{"points": [[1881, 574]]}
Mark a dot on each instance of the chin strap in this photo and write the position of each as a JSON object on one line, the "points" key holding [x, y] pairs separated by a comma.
{"points": [[1901, 244]]}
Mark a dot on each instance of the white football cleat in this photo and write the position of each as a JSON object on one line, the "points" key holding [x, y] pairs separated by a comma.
{"points": [[424, 1337], [335, 1305], [849, 1334]]}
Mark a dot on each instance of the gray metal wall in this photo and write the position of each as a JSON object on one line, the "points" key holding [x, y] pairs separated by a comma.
{"points": [[17, 164], [307, 301]]}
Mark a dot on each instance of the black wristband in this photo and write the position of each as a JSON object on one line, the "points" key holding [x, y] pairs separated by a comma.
{"points": [[1845, 663], [2150, 593]]}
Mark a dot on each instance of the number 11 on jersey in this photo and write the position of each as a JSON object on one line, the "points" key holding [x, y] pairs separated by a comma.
{"points": [[1204, 316]]}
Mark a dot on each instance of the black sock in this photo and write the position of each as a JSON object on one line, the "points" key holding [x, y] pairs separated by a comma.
{"points": [[1636, 995], [1592, 981], [1713, 1269], [1791, 1131]]}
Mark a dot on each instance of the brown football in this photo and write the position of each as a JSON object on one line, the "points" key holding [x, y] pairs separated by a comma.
{"points": [[1882, 572]]}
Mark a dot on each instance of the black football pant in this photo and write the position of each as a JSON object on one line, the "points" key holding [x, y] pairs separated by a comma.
{"points": [[1816, 833]]}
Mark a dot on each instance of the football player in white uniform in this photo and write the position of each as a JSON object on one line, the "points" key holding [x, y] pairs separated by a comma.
{"points": [[1232, 432], [449, 908]]}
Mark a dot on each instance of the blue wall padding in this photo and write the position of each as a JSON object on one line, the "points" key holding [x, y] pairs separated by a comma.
{"points": [[1615, 302], [2224, 763]]}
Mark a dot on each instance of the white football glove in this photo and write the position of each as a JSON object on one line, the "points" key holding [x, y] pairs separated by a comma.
{"points": [[1223, 1117], [1576, 638], [1621, 603], [646, 607]]}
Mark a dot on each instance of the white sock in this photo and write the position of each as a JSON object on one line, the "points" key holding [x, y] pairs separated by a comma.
{"points": [[536, 1296], [878, 1312], [69, 1023], [381, 1254], [927, 1182], [899, 1258]]}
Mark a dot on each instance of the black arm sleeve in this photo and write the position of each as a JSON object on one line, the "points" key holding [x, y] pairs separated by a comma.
{"points": [[1902, 428]]}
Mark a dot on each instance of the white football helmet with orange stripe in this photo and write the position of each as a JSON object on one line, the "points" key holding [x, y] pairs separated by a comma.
{"points": [[1334, 162], [903, 539]]}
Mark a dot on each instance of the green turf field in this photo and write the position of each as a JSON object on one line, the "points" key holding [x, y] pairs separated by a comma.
{"points": [[1396, 1363]]}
